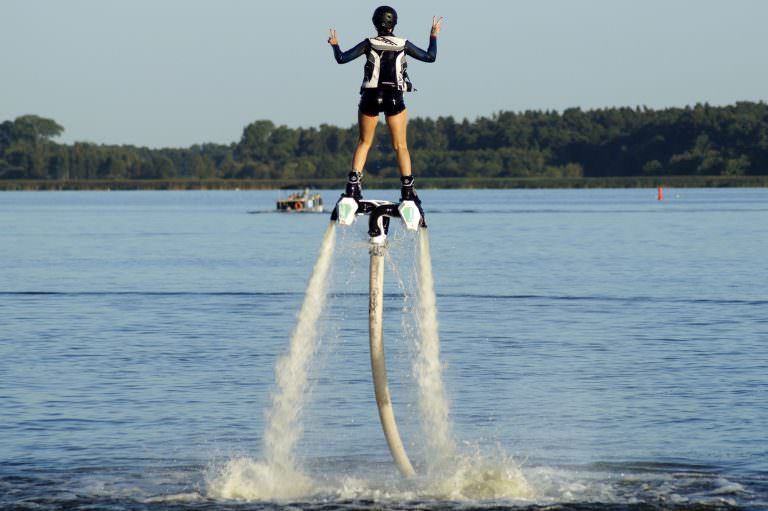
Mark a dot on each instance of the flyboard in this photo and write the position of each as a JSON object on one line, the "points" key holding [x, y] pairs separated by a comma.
{"points": [[379, 211]]}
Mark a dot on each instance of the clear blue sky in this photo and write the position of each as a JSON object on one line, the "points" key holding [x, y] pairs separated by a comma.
{"points": [[179, 72]]}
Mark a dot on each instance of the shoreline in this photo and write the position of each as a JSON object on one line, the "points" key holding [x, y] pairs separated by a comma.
{"points": [[377, 182]]}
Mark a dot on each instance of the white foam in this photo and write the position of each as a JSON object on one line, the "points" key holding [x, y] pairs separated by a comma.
{"points": [[479, 476], [175, 498], [251, 480]]}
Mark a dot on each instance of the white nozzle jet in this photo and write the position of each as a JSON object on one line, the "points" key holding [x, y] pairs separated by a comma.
{"points": [[410, 214], [346, 209]]}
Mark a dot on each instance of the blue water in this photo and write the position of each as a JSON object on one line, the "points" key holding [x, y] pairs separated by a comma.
{"points": [[615, 347]]}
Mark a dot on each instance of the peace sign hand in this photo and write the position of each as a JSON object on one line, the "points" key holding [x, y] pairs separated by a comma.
{"points": [[332, 40], [436, 22]]}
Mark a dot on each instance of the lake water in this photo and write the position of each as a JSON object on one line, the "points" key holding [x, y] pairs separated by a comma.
{"points": [[607, 349]]}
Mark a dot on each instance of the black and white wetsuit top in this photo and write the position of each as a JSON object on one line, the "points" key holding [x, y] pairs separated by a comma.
{"points": [[386, 65]]}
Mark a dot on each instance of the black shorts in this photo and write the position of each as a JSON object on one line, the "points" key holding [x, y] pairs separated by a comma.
{"points": [[376, 101]]}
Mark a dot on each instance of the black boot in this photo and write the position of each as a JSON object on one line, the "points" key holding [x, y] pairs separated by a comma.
{"points": [[407, 193], [354, 189], [406, 190]]}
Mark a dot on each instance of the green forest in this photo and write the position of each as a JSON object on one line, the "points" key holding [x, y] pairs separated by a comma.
{"points": [[702, 140]]}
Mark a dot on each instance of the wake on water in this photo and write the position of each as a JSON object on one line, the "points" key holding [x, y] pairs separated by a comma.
{"points": [[448, 472]]}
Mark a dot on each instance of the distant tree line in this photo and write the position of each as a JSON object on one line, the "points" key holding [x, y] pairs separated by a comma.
{"points": [[699, 140]]}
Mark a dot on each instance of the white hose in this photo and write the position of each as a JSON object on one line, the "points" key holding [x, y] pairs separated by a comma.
{"points": [[378, 366]]}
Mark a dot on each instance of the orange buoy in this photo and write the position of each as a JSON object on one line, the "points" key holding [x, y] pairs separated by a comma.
{"points": [[660, 195]]}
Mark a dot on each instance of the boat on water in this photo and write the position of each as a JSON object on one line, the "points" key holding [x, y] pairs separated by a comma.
{"points": [[300, 202]]}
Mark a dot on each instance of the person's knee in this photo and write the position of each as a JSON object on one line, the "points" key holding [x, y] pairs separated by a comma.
{"points": [[364, 143], [399, 146]]}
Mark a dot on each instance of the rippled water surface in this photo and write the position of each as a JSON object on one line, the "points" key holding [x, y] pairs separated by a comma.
{"points": [[602, 350]]}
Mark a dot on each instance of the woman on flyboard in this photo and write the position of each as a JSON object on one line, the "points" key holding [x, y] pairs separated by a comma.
{"points": [[384, 82]]}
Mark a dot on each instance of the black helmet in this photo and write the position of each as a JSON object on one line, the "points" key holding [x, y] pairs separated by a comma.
{"points": [[384, 18]]}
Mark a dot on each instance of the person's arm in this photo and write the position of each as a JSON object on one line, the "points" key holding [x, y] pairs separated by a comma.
{"points": [[431, 54], [425, 56], [342, 57]]}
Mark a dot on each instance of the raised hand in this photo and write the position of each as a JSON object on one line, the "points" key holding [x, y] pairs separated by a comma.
{"points": [[436, 22], [332, 40]]}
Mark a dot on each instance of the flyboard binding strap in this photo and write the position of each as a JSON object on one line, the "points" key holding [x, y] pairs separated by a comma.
{"points": [[348, 209]]}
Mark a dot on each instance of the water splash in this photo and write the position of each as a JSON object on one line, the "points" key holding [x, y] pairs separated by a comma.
{"points": [[284, 419], [277, 476], [428, 370], [451, 473], [477, 477], [251, 480]]}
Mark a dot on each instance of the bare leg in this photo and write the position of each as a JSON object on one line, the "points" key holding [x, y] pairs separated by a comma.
{"points": [[367, 124], [398, 125]]}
